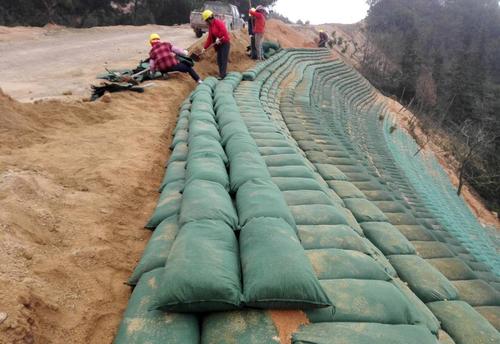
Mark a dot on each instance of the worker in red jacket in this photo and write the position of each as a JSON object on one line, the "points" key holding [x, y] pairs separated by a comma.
{"points": [[259, 14], [163, 58], [219, 38]]}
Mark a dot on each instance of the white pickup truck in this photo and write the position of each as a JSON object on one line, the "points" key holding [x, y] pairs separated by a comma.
{"points": [[226, 12]]}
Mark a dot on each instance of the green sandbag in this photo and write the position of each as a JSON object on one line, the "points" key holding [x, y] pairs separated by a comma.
{"points": [[387, 238], [390, 206], [272, 143], [338, 264], [426, 317], [318, 214], [330, 172], [199, 128], [317, 157], [240, 143], [423, 279], [248, 327], [265, 151], [157, 250], [202, 116], [303, 197], [345, 189], [463, 323], [432, 249], [376, 254], [266, 45], [209, 167], [179, 153], [288, 280], [378, 195], [453, 268], [245, 167], [233, 128], [415, 233], [291, 171], [176, 170], [401, 219], [364, 210], [351, 221], [202, 273], [490, 313], [261, 198], [141, 325], [294, 183], [336, 236], [364, 301], [284, 160], [168, 205], [180, 137], [204, 200], [362, 333], [477, 293], [206, 144]]}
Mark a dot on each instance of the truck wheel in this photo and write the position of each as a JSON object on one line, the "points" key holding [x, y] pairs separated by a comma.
{"points": [[198, 33]]}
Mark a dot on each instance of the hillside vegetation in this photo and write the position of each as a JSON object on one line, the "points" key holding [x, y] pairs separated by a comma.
{"points": [[443, 60], [87, 13]]}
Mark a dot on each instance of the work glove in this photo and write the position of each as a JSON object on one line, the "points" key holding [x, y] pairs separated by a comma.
{"points": [[218, 41], [186, 53]]}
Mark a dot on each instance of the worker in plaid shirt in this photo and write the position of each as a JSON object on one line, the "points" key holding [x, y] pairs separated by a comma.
{"points": [[163, 58]]}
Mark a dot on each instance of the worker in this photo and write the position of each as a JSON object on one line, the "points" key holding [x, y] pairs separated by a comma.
{"points": [[219, 38], [163, 58], [259, 14], [323, 38], [251, 25]]}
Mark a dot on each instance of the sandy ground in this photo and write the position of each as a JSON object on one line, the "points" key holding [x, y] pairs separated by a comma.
{"points": [[50, 61]]}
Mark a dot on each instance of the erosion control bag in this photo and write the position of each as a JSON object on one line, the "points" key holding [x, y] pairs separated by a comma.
{"points": [[387, 238], [463, 323], [276, 271], [168, 205], [362, 333], [141, 325], [245, 167], [261, 198], [209, 167], [157, 250], [204, 200], [202, 273], [423, 279], [364, 301], [338, 264], [247, 326]]}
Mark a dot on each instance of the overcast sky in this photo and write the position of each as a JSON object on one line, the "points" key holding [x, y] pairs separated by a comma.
{"points": [[323, 11]]}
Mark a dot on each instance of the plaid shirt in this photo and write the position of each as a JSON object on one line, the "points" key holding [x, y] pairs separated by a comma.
{"points": [[163, 56]]}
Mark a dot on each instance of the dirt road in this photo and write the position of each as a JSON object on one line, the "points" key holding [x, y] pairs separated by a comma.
{"points": [[47, 62]]}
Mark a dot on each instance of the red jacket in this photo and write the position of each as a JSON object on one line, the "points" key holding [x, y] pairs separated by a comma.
{"points": [[217, 29], [260, 22]]}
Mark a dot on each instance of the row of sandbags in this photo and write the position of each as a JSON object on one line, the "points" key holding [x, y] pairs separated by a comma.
{"points": [[356, 186], [351, 270]]}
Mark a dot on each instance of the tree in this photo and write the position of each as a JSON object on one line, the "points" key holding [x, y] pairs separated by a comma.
{"points": [[476, 139]]}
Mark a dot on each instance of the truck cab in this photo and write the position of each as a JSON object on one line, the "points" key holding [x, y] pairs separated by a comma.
{"points": [[228, 13]]}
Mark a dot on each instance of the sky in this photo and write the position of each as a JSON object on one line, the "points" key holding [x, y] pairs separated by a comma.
{"points": [[323, 11]]}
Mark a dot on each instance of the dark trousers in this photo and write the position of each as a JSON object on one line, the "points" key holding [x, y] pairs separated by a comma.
{"points": [[223, 58], [254, 49], [184, 68]]}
